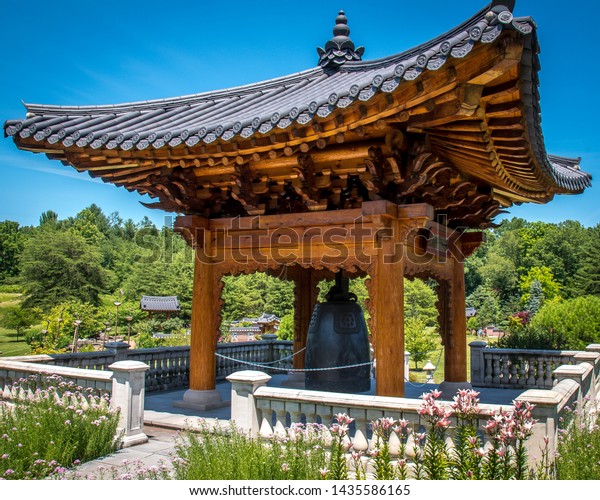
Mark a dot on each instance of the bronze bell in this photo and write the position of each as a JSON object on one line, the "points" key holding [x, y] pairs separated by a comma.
{"points": [[338, 337]]}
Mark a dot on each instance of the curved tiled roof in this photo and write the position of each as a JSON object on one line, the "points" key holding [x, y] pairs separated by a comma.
{"points": [[164, 304], [250, 109], [257, 109]]}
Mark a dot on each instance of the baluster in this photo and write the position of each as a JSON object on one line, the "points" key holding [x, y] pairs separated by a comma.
{"points": [[488, 369], [530, 371], [266, 418], [496, 369], [521, 374], [227, 363], [325, 412], [293, 409], [360, 441], [310, 412], [280, 418], [548, 382], [160, 371], [540, 372], [513, 370], [505, 369]]}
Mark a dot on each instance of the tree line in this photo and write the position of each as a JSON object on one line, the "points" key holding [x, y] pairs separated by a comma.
{"points": [[77, 268]]}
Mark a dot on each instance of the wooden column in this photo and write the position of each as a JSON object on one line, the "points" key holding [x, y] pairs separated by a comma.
{"points": [[305, 294], [204, 319], [387, 321], [455, 354]]}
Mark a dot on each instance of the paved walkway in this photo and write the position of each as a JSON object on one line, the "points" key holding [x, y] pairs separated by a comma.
{"points": [[163, 421]]}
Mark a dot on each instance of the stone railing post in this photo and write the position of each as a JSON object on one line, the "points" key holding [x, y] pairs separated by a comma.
{"points": [[582, 374], [593, 358], [546, 413], [477, 362], [243, 406], [593, 348], [119, 348], [406, 366], [128, 395]]}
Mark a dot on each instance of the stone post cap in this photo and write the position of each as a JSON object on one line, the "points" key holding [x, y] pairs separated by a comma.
{"points": [[129, 366], [588, 355], [249, 376], [269, 336], [478, 343], [573, 370], [116, 345], [541, 397], [593, 347]]}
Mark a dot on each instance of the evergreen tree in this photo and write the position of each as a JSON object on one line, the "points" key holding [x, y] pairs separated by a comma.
{"points": [[536, 297], [60, 265], [11, 246], [587, 279]]}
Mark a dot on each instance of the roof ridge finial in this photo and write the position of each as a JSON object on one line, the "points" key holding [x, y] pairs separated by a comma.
{"points": [[340, 48]]}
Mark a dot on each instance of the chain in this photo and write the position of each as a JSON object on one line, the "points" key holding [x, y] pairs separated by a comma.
{"points": [[273, 362], [293, 369]]}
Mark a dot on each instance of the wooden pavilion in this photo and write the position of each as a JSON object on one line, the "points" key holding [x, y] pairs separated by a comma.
{"points": [[387, 168]]}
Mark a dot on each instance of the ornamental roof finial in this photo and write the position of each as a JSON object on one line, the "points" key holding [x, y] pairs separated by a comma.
{"points": [[340, 48]]}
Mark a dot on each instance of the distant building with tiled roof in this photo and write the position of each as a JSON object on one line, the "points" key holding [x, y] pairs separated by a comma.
{"points": [[154, 304]]}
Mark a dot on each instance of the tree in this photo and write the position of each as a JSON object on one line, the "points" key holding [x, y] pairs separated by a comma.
{"points": [[536, 297], [562, 250], [18, 319], [486, 302], [286, 328], [587, 280], [499, 274], [420, 302], [575, 322], [11, 246], [549, 286], [419, 339], [58, 266], [86, 224], [49, 218], [59, 326]]}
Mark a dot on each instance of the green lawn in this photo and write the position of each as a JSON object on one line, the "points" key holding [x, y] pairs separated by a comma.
{"points": [[9, 345], [419, 375]]}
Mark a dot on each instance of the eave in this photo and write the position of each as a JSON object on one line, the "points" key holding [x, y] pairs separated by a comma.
{"points": [[470, 94]]}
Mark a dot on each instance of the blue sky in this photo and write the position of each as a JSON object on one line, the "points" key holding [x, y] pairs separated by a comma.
{"points": [[79, 53]]}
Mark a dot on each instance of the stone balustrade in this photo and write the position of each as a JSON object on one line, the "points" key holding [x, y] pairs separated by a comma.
{"points": [[124, 381], [12, 372], [267, 351], [521, 368], [169, 366], [265, 411]]}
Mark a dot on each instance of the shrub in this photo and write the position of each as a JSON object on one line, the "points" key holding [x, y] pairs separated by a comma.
{"points": [[530, 337], [313, 451], [53, 424], [578, 452], [214, 454], [570, 324], [577, 321]]}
